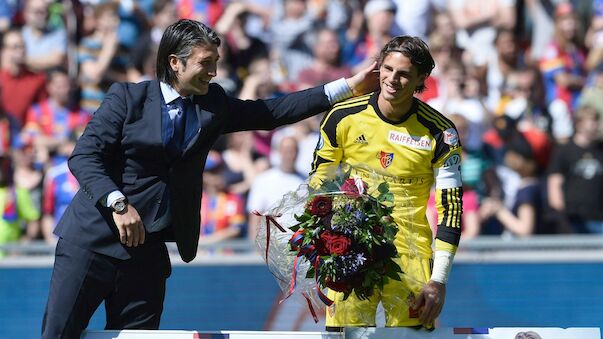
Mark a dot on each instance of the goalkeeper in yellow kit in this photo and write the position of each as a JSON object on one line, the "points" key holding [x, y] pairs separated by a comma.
{"points": [[413, 146]]}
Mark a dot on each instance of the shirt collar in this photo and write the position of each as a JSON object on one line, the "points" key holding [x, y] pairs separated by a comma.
{"points": [[169, 93]]}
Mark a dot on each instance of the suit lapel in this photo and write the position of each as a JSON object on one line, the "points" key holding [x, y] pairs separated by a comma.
{"points": [[152, 114], [203, 121]]}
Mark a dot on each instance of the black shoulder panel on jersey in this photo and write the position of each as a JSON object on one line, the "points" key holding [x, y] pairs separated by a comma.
{"points": [[437, 123], [440, 118], [318, 160], [432, 119], [339, 112]]}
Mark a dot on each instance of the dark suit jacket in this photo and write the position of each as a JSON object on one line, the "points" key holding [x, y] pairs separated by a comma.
{"points": [[122, 149]]}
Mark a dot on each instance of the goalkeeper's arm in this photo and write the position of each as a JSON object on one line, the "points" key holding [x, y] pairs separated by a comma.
{"points": [[449, 202]]}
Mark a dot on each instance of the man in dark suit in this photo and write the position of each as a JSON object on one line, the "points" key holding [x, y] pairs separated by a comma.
{"points": [[139, 164]]}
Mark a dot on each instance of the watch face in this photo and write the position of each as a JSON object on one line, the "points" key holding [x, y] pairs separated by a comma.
{"points": [[119, 206]]}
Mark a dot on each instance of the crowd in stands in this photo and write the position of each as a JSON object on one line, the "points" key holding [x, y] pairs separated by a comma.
{"points": [[521, 79]]}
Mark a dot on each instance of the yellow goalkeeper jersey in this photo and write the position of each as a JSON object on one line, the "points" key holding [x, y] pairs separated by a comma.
{"points": [[411, 154]]}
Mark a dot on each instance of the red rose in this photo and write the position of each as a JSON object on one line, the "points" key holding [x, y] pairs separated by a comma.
{"points": [[339, 286], [320, 206], [378, 230], [338, 244], [353, 188]]}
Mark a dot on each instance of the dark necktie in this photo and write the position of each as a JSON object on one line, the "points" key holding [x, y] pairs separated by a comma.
{"points": [[184, 105]]}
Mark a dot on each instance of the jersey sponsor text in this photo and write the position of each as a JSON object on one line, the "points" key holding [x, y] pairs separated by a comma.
{"points": [[409, 140]]}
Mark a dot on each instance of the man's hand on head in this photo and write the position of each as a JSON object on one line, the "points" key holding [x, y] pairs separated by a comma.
{"points": [[365, 81]]}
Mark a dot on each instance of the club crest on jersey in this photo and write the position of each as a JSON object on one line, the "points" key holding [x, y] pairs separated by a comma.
{"points": [[451, 137], [385, 158]]}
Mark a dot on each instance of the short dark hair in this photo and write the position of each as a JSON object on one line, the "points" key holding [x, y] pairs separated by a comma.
{"points": [[179, 39], [56, 70], [413, 48]]}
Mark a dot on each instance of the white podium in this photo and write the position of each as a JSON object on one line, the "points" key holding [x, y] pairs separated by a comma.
{"points": [[363, 333]]}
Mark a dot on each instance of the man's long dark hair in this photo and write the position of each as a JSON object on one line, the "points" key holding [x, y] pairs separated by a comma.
{"points": [[179, 39], [413, 48]]}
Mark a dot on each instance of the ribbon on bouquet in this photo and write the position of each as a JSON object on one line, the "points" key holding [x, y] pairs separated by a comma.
{"points": [[269, 219], [308, 251]]}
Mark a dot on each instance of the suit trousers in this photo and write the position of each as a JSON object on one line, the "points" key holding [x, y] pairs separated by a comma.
{"points": [[133, 289]]}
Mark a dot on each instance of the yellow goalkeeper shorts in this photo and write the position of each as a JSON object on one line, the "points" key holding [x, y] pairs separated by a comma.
{"points": [[395, 297]]}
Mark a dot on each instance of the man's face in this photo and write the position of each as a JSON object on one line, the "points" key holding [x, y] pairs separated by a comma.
{"points": [[59, 88], [507, 49], [381, 22], [327, 47], [568, 26], [36, 13], [13, 51], [200, 68], [398, 78]]}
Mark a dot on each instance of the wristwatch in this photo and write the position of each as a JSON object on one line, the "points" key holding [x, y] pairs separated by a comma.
{"points": [[119, 205]]}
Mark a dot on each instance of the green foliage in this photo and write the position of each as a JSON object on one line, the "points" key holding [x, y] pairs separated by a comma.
{"points": [[363, 219]]}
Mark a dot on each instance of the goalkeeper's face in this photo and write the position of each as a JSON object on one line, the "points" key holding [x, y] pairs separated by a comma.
{"points": [[398, 78]]}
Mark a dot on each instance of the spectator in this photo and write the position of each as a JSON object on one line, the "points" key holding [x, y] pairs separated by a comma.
{"points": [[594, 41], [592, 94], [307, 133], [29, 175], [575, 179], [290, 46], [143, 53], [444, 53], [50, 122], [132, 21], [222, 212], [460, 95], [20, 87], [8, 10], [326, 65], [242, 165], [242, 48], [207, 11], [331, 14], [60, 186], [225, 76], [415, 17], [562, 64], [542, 29], [500, 182], [526, 216], [16, 206], [444, 25], [9, 133], [269, 187], [359, 48], [523, 100], [499, 65], [259, 84], [45, 46], [101, 60], [477, 22]]}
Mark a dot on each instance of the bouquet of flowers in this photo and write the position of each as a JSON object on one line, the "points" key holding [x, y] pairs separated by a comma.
{"points": [[335, 236]]}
